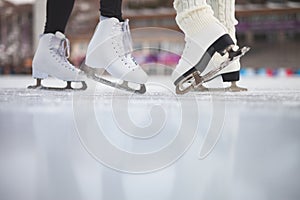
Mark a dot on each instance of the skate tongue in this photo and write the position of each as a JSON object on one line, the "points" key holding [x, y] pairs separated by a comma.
{"points": [[62, 44], [60, 35]]}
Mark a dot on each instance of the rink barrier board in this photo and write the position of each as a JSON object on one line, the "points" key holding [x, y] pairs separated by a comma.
{"points": [[270, 72]]}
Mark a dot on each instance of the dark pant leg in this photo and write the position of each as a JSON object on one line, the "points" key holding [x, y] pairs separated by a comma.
{"points": [[58, 13], [111, 8]]}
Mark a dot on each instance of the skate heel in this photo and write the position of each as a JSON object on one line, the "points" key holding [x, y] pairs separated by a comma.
{"points": [[231, 76], [38, 74]]}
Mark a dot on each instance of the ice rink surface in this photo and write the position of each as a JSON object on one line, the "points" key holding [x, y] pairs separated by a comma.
{"points": [[257, 154]]}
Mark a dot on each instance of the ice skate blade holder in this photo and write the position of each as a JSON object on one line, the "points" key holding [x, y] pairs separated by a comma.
{"points": [[39, 85], [194, 81], [91, 73]]}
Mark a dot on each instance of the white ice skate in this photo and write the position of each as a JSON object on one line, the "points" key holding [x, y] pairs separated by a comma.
{"points": [[206, 37], [51, 59], [207, 67], [110, 49]]}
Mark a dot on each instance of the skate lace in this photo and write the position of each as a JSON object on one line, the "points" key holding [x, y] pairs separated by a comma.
{"points": [[63, 50], [127, 40], [124, 29]]}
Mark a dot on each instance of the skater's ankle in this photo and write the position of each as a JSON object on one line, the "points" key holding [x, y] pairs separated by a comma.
{"points": [[102, 18]]}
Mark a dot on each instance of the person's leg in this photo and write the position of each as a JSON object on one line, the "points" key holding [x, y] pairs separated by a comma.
{"points": [[206, 38], [204, 35], [51, 56], [58, 13], [224, 11], [111, 8]]}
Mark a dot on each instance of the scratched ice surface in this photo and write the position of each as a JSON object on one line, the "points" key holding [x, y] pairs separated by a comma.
{"points": [[257, 155]]}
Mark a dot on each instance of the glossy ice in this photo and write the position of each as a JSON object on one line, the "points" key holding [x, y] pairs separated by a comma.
{"points": [[257, 156]]}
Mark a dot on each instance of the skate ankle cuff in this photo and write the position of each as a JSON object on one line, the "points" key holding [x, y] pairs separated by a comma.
{"points": [[221, 44], [102, 18]]}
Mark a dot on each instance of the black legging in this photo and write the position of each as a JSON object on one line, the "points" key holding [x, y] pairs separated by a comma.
{"points": [[59, 11]]}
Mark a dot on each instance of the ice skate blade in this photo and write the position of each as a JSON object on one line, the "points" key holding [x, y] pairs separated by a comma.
{"points": [[123, 86], [201, 88], [233, 88], [195, 80], [90, 73], [39, 86]]}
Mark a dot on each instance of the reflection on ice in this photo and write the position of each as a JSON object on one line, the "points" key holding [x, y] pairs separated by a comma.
{"points": [[42, 157]]}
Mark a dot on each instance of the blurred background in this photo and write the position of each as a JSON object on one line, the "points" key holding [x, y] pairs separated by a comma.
{"points": [[257, 156], [270, 27]]}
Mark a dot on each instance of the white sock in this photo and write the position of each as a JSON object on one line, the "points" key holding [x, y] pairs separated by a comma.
{"points": [[196, 19], [224, 10]]}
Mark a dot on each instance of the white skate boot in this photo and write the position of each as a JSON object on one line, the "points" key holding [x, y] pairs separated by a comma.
{"points": [[206, 38], [110, 48], [51, 59], [229, 73]]}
